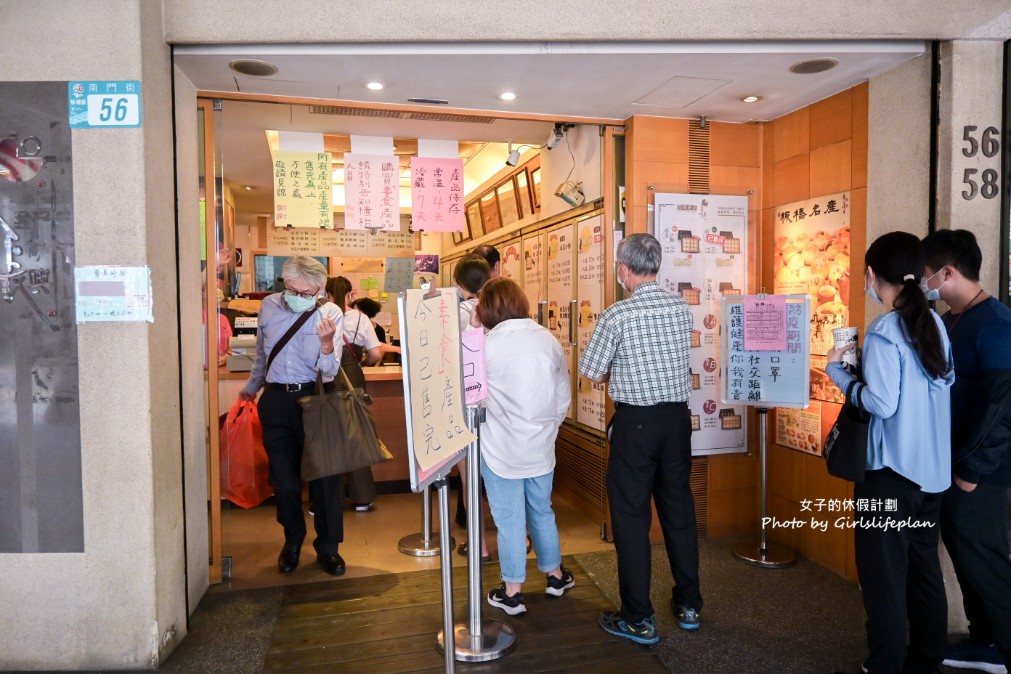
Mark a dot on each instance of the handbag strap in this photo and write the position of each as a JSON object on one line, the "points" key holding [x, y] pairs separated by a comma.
{"points": [[289, 334]]}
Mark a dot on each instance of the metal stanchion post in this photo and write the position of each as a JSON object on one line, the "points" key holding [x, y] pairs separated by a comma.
{"points": [[423, 544], [448, 618], [768, 555], [477, 640]]}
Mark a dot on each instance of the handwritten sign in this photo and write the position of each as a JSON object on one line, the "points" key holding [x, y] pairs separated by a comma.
{"points": [[113, 294], [399, 275], [437, 194], [371, 192], [433, 382], [765, 323], [475, 377], [767, 378], [302, 189]]}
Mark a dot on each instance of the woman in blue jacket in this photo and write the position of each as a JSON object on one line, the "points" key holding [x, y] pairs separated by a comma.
{"points": [[907, 375]]}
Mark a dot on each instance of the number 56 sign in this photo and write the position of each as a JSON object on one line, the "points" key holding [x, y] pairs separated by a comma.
{"points": [[985, 184], [104, 104]]}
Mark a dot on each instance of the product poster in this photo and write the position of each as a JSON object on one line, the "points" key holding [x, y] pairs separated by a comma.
{"points": [[800, 428], [371, 192], [511, 265], [533, 274], [704, 239], [561, 289], [589, 291], [302, 189], [812, 256]]}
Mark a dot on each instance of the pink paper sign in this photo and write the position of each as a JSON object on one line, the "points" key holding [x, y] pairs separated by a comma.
{"points": [[371, 192], [765, 323], [437, 194], [475, 379]]}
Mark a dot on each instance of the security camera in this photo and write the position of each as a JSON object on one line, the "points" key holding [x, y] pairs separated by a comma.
{"points": [[555, 137], [513, 158]]}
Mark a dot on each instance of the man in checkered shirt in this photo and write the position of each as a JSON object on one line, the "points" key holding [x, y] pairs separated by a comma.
{"points": [[640, 348]]}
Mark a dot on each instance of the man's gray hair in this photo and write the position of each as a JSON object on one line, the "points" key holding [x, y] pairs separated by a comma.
{"points": [[306, 268], [641, 253]]}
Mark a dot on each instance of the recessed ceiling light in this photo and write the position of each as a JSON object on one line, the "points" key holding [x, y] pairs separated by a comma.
{"points": [[253, 67], [812, 66], [751, 99], [507, 96], [249, 188], [374, 86]]}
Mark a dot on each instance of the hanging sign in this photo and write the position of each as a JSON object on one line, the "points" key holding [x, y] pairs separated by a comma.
{"points": [[399, 275], [371, 192], [475, 377], [104, 104], [437, 194], [302, 189]]}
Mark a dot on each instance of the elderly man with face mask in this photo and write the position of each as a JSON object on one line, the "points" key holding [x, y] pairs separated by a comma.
{"points": [[289, 354]]}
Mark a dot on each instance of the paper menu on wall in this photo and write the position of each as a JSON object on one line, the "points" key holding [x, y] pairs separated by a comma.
{"points": [[399, 274], [703, 238]]}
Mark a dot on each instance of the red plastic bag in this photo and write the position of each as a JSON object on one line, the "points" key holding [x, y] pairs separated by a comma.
{"points": [[245, 470]]}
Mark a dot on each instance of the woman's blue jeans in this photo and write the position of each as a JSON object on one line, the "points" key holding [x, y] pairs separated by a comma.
{"points": [[518, 505]]}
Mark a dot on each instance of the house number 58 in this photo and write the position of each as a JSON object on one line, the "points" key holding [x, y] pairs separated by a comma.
{"points": [[985, 184]]}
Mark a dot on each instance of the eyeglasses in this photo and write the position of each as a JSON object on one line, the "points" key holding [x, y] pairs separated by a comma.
{"points": [[305, 295]]}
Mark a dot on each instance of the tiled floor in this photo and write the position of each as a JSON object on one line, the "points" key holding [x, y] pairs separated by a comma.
{"points": [[252, 538]]}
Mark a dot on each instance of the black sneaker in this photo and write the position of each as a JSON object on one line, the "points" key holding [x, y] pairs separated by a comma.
{"points": [[512, 605], [642, 632], [557, 586], [968, 654], [364, 507]]}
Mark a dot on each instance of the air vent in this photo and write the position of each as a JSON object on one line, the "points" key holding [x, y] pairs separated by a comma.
{"points": [[353, 112], [429, 101], [812, 66], [447, 117], [698, 158]]}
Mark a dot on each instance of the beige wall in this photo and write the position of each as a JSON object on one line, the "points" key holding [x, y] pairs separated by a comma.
{"points": [[120, 603], [565, 20]]}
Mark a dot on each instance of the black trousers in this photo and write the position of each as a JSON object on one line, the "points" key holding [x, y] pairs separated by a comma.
{"points": [[975, 532], [900, 575], [283, 438], [651, 455]]}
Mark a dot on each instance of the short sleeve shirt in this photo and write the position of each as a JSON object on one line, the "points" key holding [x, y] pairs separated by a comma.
{"points": [[644, 342]]}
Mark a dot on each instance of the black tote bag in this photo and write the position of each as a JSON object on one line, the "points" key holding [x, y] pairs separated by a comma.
{"points": [[340, 433], [846, 446]]}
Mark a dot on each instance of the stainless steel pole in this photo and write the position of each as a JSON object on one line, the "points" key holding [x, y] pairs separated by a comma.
{"points": [[448, 619], [423, 544]]}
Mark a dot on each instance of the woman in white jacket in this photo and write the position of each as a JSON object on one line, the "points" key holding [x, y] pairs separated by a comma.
{"points": [[528, 396]]}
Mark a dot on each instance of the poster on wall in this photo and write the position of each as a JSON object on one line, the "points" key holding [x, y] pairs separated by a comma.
{"points": [[812, 256], [704, 240], [437, 194], [339, 243], [589, 293], [510, 265], [800, 428], [560, 289], [302, 189], [371, 192], [533, 251]]}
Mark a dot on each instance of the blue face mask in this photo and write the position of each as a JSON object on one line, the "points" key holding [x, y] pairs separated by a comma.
{"points": [[871, 292], [932, 294], [299, 304]]}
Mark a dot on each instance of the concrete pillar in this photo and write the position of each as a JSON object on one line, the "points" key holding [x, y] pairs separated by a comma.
{"points": [[121, 603], [968, 187]]}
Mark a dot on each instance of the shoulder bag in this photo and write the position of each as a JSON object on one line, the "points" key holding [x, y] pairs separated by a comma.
{"points": [[846, 446], [340, 433]]}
